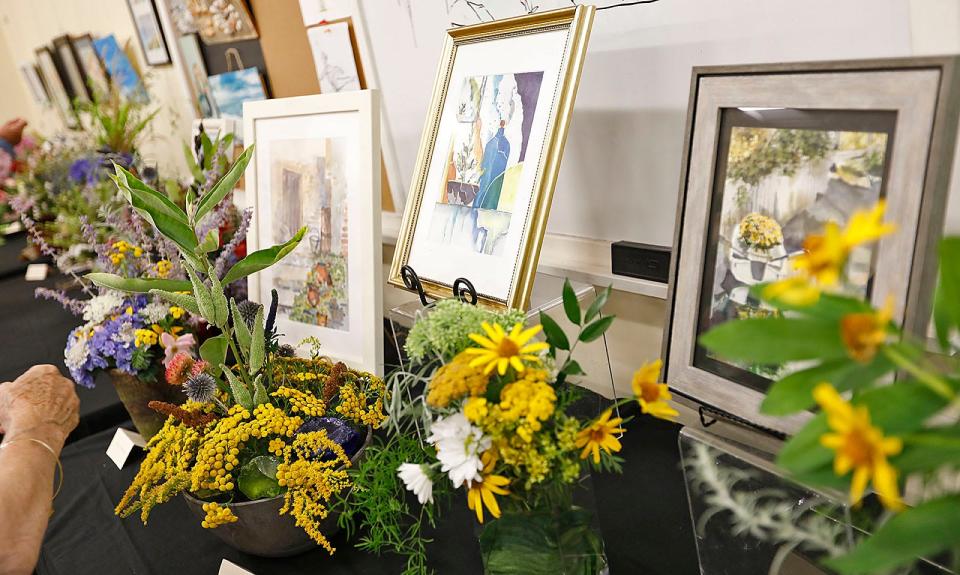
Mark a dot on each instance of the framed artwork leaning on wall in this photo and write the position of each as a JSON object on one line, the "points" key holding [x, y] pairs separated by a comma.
{"points": [[57, 90], [775, 152], [70, 70], [149, 32], [89, 61], [317, 165], [490, 154]]}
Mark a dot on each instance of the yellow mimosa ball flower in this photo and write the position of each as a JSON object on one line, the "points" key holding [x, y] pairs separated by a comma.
{"points": [[163, 268], [859, 446], [217, 516]]}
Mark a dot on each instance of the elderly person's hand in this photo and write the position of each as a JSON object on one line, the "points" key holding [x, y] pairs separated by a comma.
{"points": [[12, 130], [41, 404]]}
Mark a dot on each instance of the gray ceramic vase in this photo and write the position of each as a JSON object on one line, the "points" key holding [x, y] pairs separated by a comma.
{"points": [[260, 529]]}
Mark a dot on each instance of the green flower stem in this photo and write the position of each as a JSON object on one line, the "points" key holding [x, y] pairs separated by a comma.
{"points": [[236, 354], [930, 379]]}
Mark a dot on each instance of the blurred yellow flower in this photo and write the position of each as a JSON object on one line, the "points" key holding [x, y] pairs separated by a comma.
{"points": [[794, 291], [163, 268], [500, 350], [860, 447], [863, 333], [600, 434], [177, 312], [482, 492], [652, 395], [866, 226], [823, 255]]}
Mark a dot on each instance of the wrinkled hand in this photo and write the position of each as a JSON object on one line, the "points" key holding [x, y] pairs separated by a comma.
{"points": [[41, 403], [12, 130]]}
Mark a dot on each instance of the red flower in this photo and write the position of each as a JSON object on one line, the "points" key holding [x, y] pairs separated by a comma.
{"points": [[179, 369], [199, 367]]}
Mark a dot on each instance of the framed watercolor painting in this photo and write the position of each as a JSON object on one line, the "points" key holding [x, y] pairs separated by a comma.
{"points": [[93, 70], [490, 154], [70, 69], [317, 165], [124, 76], [31, 75], [56, 88], [773, 153], [231, 89], [149, 31], [196, 71], [334, 58]]}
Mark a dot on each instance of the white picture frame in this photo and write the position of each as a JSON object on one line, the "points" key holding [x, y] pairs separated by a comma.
{"points": [[146, 21], [32, 78], [330, 145]]}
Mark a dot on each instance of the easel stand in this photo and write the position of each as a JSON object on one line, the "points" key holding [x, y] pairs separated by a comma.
{"points": [[545, 297]]}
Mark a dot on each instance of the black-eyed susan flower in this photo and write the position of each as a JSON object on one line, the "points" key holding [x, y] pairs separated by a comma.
{"points": [[500, 350], [863, 333], [859, 446], [482, 492], [652, 395], [600, 434]]}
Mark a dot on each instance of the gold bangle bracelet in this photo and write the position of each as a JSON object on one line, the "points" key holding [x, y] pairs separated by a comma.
{"points": [[48, 448]]}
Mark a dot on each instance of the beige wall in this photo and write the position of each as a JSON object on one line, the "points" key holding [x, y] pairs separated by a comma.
{"points": [[28, 24]]}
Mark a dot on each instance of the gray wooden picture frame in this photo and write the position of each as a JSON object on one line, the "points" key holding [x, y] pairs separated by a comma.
{"points": [[925, 94]]}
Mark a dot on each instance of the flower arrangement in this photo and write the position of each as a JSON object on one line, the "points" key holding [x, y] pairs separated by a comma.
{"points": [[498, 425], [760, 232], [133, 334], [868, 431], [258, 424]]}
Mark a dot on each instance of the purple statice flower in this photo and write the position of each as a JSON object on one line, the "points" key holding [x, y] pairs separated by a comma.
{"points": [[84, 171], [228, 255]]}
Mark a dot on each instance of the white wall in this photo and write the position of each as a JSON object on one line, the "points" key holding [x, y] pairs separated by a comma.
{"points": [[621, 167], [28, 24]]}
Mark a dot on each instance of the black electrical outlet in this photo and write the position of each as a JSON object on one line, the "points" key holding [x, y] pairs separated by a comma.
{"points": [[640, 261]]}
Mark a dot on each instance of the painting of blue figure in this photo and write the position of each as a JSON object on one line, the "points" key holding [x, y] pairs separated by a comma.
{"points": [[485, 161], [122, 73]]}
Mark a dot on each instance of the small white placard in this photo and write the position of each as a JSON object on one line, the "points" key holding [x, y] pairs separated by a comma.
{"points": [[123, 443], [37, 272], [228, 568], [12, 228]]}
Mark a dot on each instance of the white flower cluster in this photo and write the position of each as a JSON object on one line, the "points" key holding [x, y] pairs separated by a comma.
{"points": [[100, 307], [459, 446], [75, 355], [154, 312]]}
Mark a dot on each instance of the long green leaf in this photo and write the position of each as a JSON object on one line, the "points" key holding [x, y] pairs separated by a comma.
{"points": [[900, 407], [947, 303], [224, 186], [259, 392], [775, 340], [597, 306], [929, 449], [596, 329], [554, 333], [262, 259], [137, 285], [803, 452], [924, 530], [570, 304], [214, 352], [221, 309], [240, 393], [240, 330]]}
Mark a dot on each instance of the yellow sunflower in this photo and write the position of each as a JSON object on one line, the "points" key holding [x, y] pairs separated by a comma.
{"points": [[482, 492], [500, 349], [653, 396], [600, 434], [860, 447]]}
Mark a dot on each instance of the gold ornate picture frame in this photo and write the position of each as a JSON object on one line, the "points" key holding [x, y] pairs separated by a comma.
{"points": [[490, 155]]}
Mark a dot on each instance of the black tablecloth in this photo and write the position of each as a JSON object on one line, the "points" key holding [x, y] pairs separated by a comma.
{"points": [[643, 516]]}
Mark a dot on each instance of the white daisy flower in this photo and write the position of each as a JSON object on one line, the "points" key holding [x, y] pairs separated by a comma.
{"points": [[459, 446], [415, 478]]}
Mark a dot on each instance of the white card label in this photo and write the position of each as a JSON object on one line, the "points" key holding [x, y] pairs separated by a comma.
{"points": [[228, 568], [122, 445], [37, 272], [12, 228]]}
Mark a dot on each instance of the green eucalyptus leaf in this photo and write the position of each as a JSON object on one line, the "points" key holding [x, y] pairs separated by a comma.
{"points": [[204, 298], [597, 306], [553, 332], [262, 259], [927, 529], [240, 330], [224, 186], [570, 304], [137, 285], [258, 478], [214, 352], [775, 340], [257, 343], [186, 301], [596, 329], [239, 391]]}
